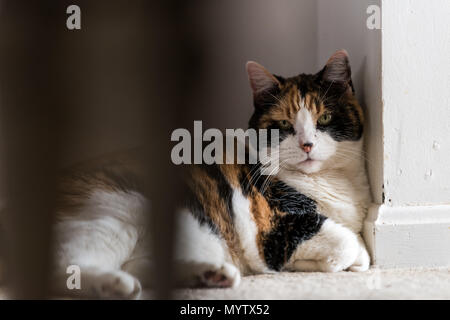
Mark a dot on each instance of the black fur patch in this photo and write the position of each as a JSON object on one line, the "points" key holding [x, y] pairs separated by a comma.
{"points": [[252, 178], [300, 223], [345, 124], [287, 199], [290, 230]]}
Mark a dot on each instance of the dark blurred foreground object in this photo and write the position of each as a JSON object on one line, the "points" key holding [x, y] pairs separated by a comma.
{"points": [[48, 75], [30, 125]]}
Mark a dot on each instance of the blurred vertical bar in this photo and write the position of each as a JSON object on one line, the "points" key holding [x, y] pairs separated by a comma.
{"points": [[29, 124], [52, 80], [174, 69], [160, 28]]}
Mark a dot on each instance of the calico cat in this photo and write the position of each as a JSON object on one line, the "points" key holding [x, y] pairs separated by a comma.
{"points": [[307, 217]]}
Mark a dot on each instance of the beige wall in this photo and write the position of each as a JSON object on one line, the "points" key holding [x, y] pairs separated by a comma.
{"points": [[279, 34]]}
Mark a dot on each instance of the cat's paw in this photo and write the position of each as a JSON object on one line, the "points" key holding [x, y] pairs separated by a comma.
{"points": [[116, 285], [343, 252], [362, 262], [335, 248], [228, 276]]}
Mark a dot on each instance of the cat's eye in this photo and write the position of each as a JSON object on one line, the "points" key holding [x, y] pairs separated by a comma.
{"points": [[285, 125], [325, 119]]}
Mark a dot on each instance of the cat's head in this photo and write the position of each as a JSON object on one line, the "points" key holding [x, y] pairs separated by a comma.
{"points": [[319, 119]]}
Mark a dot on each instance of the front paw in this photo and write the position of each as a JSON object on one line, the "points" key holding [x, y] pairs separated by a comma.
{"points": [[116, 285], [335, 248], [362, 262], [199, 274], [228, 276]]}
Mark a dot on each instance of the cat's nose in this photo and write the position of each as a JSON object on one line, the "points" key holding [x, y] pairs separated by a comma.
{"points": [[307, 147]]}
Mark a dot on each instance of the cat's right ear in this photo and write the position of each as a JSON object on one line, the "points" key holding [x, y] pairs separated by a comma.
{"points": [[260, 79]]}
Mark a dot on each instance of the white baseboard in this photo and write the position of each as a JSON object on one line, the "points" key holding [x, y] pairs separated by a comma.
{"points": [[409, 236]]}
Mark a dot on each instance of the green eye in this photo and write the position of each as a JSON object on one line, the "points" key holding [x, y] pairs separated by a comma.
{"points": [[285, 125], [325, 119]]}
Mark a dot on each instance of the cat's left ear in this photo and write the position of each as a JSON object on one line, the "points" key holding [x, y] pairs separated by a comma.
{"points": [[260, 79], [338, 71]]}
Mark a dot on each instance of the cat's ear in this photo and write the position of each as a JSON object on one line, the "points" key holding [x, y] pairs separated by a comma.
{"points": [[338, 70], [260, 79]]}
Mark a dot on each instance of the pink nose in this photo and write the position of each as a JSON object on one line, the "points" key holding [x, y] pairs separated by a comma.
{"points": [[307, 147]]}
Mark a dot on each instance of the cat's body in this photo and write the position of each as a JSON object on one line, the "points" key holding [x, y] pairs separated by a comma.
{"points": [[101, 227], [307, 217]]}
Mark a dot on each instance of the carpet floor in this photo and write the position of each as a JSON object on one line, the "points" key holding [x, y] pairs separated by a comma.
{"points": [[373, 284], [394, 284]]}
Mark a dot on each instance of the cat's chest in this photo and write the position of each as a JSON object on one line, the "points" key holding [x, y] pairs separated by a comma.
{"points": [[338, 197]]}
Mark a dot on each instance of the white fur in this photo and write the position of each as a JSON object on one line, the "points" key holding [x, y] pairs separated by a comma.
{"points": [[334, 177], [199, 250], [247, 231], [334, 248], [304, 127], [191, 239], [342, 193], [107, 239], [324, 147], [101, 237], [106, 236]]}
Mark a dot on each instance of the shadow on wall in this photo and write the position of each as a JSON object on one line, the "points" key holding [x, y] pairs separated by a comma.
{"points": [[281, 35], [287, 36], [343, 24]]}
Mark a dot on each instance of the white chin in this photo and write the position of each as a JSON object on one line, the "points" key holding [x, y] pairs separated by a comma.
{"points": [[310, 166]]}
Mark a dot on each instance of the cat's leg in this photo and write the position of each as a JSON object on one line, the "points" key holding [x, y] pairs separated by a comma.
{"points": [[334, 248], [141, 268], [97, 240], [98, 248], [362, 262], [201, 257], [141, 263], [98, 283]]}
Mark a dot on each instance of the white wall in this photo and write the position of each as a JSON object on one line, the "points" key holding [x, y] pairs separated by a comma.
{"points": [[342, 25], [416, 90], [411, 228]]}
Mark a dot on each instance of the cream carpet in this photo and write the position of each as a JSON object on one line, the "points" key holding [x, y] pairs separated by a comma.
{"points": [[374, 284]]}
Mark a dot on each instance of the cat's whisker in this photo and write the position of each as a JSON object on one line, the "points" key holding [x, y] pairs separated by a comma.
{"points": [[332, 82], [255, 175], [357, 154], [270, 177]]}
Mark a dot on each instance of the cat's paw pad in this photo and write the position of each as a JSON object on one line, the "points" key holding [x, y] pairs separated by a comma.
{"points": [[117, 285], [228, 276]]}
